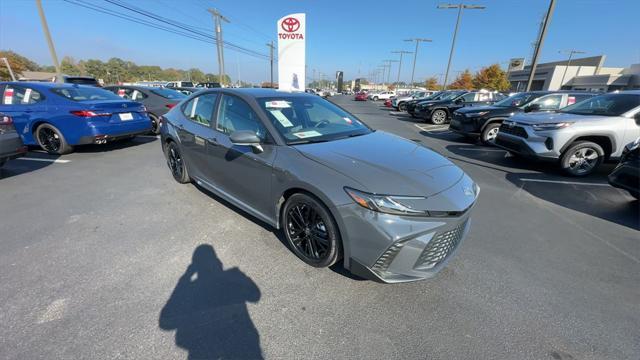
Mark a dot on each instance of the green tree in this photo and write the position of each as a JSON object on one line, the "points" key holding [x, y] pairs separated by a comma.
{"points": [[68, 66], [491, 78], [464, 81], [18, 64]]}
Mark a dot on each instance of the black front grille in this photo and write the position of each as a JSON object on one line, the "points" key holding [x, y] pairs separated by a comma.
{"points": [[440, 247], [514, 130]]}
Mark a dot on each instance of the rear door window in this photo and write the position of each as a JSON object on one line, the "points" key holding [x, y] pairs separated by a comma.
{"points": [[470, 97], [200, 108], [18, 95]]}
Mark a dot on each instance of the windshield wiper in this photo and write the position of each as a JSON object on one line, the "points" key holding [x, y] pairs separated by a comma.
{"points": [[298, 142]]}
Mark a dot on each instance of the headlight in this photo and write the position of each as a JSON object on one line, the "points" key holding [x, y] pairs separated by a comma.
{"points": [[634, 145], [551, 126], [384, 203], [476, 114]]}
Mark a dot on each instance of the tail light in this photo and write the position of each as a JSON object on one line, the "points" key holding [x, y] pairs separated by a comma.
{"points": [[6, 124], [88, 113], [6, 120], [170, 106]]}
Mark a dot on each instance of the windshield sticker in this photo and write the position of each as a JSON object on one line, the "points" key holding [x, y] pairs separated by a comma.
{"points": [[8, 96], [277, 104], [306, 134], [282, 119]]}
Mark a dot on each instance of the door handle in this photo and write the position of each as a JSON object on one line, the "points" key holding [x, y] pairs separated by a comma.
{"points": [[180, 126]]}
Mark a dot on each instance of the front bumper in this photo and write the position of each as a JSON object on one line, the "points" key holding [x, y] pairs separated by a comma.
{"points": [[464, 125], [626, 176], [393, 248], [522, 140]]}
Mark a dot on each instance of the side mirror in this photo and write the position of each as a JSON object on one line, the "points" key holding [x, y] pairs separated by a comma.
{"points": [[532, 107], [246, 138], [459, 101], [637, 118]]}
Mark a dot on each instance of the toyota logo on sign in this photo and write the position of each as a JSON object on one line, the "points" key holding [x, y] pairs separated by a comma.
{"points": [[290, 24]]}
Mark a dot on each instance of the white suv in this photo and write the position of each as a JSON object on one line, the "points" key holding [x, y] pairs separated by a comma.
{"points": [[383, 95]]}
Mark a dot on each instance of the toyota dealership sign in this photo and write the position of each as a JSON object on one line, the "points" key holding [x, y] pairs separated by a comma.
{"points": [[291, 52]]}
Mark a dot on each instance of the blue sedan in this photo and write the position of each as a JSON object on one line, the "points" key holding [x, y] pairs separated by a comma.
{"points": [[58, 117]]}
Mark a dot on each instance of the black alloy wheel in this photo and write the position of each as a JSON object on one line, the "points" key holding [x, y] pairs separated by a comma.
{"points": [[311, 231], [176, 163], [51, 140], [155, 124]]}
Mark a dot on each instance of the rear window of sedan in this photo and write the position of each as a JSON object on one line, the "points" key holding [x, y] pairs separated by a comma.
{"points": [[168, 94], [84, 93]]}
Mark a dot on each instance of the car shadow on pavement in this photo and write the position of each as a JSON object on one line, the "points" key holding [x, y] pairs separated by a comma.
{"points": [[208, 310], [497, 156], [337, 267], [598, 200], [33, 161], [116, 145]]}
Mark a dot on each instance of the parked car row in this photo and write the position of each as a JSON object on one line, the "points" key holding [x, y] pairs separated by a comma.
{"points": [[578, 130]]}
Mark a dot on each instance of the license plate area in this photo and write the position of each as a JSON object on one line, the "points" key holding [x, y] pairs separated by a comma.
{"points": [[125, 116]]}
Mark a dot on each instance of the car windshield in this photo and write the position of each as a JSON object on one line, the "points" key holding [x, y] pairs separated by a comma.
{"points": [[604, 105], [450, 95], [85, 93], [516, 100], [307, 119], [168, 93]]}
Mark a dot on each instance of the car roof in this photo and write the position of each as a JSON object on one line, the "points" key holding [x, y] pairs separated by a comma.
{"points": [[43, 84]]}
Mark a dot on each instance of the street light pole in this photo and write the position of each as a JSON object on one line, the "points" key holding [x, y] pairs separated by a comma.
{"points": [[455, 32], [47, 35], [571, 52], [271, 46], [539, 43], [415, 55], [401, 52]]}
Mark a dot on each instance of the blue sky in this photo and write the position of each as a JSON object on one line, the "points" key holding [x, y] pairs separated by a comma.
{"points": [[341, 35]]}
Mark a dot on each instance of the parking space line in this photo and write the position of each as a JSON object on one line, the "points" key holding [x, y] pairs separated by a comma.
{"points": [[564, 182], [481, 149], [57, 161]]}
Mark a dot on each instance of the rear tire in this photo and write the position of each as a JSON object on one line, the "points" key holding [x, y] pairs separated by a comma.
{"points": [[155, 124], [51, 140], [176, 163], [375, 98], [402, 107], [489, 133], [581, 158], [311, 231], [439, 117]]}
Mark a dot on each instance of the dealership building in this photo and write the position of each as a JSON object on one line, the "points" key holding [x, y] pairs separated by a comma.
{"points": [[587, 73]]}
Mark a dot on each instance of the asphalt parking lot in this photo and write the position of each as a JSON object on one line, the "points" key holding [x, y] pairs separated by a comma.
{"points": [[99, 250]]}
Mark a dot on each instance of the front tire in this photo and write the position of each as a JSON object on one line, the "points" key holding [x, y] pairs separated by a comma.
{"points": [[439, 117], [489, 133], [581, 158], [51, 140], [311, 231], [402, 107], [176, 163], [375, 98]]}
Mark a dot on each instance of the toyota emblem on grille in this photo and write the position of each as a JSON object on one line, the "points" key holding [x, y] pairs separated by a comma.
{"points": [[124, 105]]}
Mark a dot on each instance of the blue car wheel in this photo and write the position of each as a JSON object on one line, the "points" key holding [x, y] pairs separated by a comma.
{"points": [[51, 140]]}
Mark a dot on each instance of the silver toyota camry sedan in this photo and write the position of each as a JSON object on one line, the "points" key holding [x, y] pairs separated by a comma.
{"points": [[388, 208]]}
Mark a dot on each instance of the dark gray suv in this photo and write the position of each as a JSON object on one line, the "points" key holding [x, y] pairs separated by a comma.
{"points": [[392, 209]]}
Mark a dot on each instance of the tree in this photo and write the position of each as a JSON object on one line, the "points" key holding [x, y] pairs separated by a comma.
{"points": [[68, 66], [463, 81], [491, 78], [432, 84], [18, 64]]}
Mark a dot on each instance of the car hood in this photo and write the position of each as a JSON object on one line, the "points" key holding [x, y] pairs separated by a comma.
{"points": [[545, 117], [386, 164]]}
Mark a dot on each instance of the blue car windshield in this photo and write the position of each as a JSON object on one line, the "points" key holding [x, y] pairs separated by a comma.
{"points": [[306, 119], [168, 94], [84, 93]]}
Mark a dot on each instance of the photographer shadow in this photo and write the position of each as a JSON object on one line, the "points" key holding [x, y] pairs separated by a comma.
{"points": [[208, 310]]}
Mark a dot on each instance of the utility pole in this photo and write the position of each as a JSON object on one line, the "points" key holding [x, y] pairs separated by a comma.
{"points": [[217, 19], [570, 52], [400, 65], [415, 55], [540, 42], [47, 35], [389, 61], [455, 32], [6, 62], [270, 45]]}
